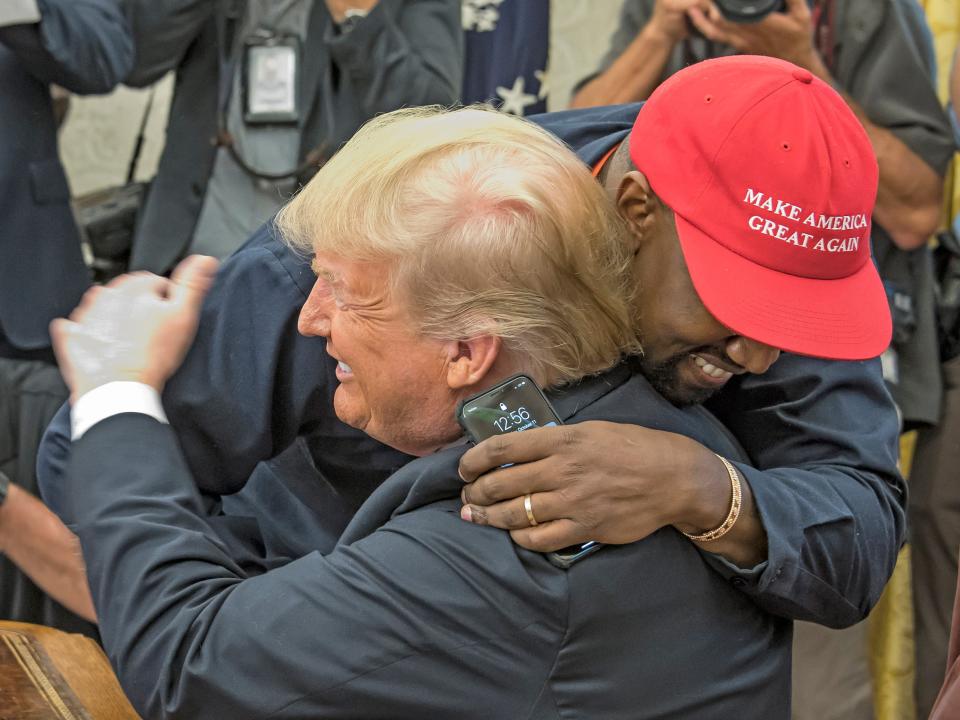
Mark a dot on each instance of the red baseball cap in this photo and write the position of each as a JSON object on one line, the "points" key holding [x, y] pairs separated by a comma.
{"points": [[772, 180]]}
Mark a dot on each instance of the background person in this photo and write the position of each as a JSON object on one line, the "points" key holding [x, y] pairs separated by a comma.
{"points": [[336, 64], [934, 509], [878, 55], [84, 46]]}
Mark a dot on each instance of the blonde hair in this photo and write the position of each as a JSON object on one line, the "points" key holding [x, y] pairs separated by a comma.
{"points": [[490, 226]]}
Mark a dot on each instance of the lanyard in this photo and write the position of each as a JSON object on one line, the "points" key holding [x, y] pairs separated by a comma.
{"points": [[229, 17]]}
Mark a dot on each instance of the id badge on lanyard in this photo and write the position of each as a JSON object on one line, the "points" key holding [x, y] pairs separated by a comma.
{"points": [[270, 81]]}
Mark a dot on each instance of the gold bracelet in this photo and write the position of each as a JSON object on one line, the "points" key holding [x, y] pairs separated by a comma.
{"points": [[735, 502]]}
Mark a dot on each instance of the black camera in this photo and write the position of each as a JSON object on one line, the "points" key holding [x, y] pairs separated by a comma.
{"points": [[749, 11]]}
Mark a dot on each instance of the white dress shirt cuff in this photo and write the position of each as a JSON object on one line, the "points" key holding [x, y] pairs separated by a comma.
{"points": [[19, 12], [111, 399]]}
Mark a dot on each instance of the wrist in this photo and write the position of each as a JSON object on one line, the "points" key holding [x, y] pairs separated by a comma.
{"points": [[707, 502], [660, 34], [80, 389]]}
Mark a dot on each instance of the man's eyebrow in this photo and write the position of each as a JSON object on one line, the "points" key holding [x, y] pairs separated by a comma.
{"points": [[327, 274]]}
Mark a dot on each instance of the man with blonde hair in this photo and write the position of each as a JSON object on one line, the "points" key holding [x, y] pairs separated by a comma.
{"points": [[452, 251]]}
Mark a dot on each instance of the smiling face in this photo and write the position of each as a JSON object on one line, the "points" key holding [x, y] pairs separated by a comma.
{"points": [[688, 354], [393, 381]]}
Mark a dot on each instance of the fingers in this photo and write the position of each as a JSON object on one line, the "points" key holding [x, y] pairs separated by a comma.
{"points": [[59, 336], [512, 514], [551, 536], [509, 482], [86, 302], [704, 24], [552, 532], [191, 280], [521, 447]]}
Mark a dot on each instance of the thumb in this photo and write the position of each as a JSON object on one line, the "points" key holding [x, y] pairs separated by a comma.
{"points": [[191, 280], [59, 336]]}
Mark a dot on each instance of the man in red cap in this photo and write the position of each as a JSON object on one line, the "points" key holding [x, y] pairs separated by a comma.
{"points": [[748, 187]]}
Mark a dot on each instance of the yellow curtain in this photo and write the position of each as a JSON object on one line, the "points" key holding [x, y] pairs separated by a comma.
{"points": [[891, 650], [944, 19]]}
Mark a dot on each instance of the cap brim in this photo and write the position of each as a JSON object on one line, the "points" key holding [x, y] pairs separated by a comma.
{"points": [[842, 319]]}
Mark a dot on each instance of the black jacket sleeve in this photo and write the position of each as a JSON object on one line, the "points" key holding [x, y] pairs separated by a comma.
{"points": [[823, 436], [401, 619], [163, 30], [82, 45]]}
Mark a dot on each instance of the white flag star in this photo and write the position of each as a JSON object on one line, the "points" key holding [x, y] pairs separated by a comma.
{"points": [[515, 99], [543, 77]]}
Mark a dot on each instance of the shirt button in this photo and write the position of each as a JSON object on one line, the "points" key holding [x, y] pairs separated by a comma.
{"points": [[738, 582]]}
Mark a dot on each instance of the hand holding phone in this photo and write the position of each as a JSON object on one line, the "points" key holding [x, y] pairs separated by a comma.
{"points": [[515, 405]]}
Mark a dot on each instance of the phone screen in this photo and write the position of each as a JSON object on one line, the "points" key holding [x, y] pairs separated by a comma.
{"points": [[515, 405]]}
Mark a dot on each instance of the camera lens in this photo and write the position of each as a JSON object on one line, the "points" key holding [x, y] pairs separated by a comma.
{"points": [[748, 11]]}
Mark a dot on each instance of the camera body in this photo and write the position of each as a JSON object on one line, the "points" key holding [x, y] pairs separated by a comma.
{"points": [[749, 11]]}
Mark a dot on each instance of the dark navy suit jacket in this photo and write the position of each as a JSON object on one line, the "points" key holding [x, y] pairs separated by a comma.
{"points": [[821, 436], [415, 614], [84, 46]]}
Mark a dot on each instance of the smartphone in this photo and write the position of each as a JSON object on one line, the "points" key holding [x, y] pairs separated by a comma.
{"points": [[515, 405]]}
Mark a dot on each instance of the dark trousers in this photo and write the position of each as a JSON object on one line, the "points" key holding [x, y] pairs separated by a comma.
{"points": [[31, 391], [934, 515]]}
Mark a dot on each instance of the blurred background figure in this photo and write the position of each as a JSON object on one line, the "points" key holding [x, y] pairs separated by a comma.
{"points": [[934, 509], [266, 91], [84, 47]]}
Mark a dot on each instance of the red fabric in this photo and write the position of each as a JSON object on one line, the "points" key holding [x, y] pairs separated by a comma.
{"points": [[773, 180]]}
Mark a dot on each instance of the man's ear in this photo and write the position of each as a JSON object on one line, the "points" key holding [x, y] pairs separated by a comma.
{"points": [[637, 205], [471, 360]]}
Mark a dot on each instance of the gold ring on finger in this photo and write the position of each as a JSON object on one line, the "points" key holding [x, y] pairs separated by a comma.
{"points": [[528, 506]]}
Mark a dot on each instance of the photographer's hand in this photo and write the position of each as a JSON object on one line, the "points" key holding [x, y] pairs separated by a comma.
{"points": [[634, 75], [786, 35], [909, 199], [138, 328]]}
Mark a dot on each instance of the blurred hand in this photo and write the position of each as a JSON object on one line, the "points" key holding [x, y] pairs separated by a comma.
{"points": [[138, 327], [669, 18], [338, 8], [785, 35], [592, 481]]}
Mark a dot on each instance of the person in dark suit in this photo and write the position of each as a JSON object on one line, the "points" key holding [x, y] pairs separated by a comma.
{"points": [[489, 250], [85, 47]]}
